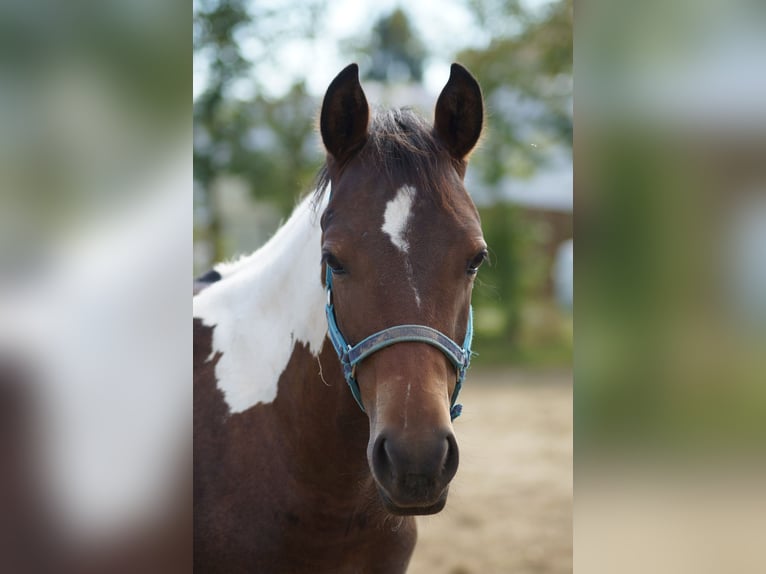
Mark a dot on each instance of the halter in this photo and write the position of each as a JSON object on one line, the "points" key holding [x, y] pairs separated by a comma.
{"points": [[351, 355]]}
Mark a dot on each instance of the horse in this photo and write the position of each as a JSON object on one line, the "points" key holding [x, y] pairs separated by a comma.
{"points": [[327, 363]]}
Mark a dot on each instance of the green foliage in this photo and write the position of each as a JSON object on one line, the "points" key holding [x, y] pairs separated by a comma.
{"points": [[528, 70], [499, 284], [515, 276], [267, 142], [215, 28], [529, 59], [396, 53], [273, 145]]}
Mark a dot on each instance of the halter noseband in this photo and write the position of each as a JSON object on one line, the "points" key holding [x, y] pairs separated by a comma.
{"points": [[351, 355]]}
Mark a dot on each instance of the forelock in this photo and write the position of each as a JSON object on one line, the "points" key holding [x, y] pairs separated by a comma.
{"points": [[403, 149]]}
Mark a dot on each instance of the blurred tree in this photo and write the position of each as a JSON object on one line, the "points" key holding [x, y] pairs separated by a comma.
{"points": [[215, 25], [527, 82], [262, 140], [274, 146], [395, 51], [499, 285]]}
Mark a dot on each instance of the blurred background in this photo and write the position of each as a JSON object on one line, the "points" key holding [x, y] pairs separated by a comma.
{"points": [[95, 248], [670, 404], [260, 71]]}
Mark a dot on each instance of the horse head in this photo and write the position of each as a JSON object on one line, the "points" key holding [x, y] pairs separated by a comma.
{"points": [[401, 246]]}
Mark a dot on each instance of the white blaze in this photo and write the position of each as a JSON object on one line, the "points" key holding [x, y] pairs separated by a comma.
{"points": [[397, 215], [395, 221]]}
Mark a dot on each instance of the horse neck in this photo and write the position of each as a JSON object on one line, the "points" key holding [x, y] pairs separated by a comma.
{"points": [[264, 306], [270, 330]]}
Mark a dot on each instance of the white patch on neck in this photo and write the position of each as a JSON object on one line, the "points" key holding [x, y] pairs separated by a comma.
{"points": [[397, 214], [395, 220], [273, 300]]}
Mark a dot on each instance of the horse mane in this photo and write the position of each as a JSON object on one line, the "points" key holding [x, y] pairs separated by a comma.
{"points": [[402, 148]]}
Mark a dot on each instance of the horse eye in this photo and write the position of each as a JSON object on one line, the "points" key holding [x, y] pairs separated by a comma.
{"points": [[332, 262], [475, 263]]}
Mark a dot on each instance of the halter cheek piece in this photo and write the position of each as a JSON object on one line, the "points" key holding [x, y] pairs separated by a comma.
{"points": [[351, 355]]}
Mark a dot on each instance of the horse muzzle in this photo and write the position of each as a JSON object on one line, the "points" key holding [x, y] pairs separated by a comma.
{"points": [[413, 472]]}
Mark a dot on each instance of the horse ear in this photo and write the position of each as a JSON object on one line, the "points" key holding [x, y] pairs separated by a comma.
{"points": [[345, 115], [459, 112]]}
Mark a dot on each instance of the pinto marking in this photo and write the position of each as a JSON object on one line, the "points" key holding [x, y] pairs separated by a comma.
{"points": [[396, 218], [266, 303]]}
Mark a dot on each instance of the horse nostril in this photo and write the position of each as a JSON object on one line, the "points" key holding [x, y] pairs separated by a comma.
{"points": [[381, 460], [451, 458]]}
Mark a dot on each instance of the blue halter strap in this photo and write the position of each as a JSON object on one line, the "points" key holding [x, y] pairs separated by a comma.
{"points": [[351, 355]]}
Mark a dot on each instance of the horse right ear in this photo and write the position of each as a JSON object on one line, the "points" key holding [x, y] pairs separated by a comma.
{"points": [[459, 112], [345, 115]]}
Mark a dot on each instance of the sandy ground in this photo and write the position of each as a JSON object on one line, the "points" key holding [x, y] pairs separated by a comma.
{"points": [[510, 505]]}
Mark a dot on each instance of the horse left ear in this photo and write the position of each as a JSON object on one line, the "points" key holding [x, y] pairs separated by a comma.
{"points": [[345, 115], [459, 112]]}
